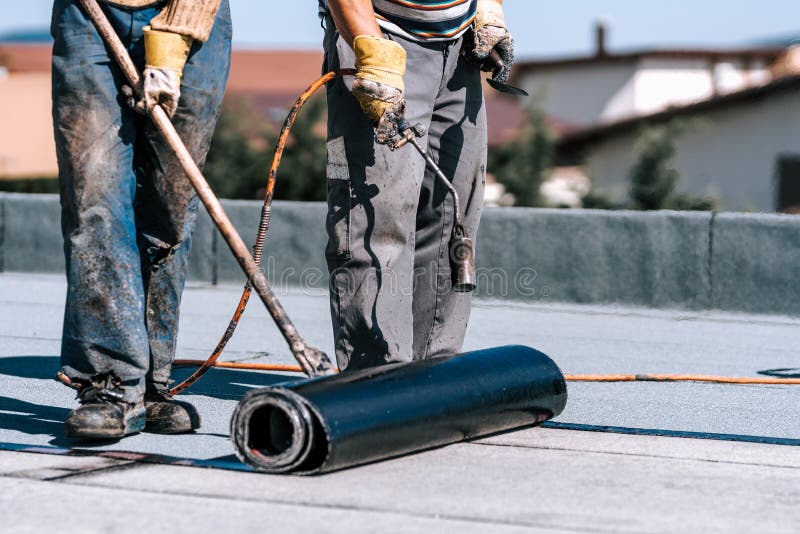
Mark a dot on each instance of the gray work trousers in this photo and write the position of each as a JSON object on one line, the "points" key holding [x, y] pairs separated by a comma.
{"points": [[389, 220]]}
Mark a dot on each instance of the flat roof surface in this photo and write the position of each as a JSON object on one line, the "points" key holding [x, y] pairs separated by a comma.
{"points": [[623, 457]]}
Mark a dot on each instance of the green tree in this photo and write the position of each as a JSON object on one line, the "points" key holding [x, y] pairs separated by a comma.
{"points": [[236, 166], [525, 163], [243, 144], [597, 201], [653, 179], [302, 173]]}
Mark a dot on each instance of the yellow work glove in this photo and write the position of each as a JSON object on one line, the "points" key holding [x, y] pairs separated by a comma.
{"points": [[490, 33], [165, 56], [378, 84]]}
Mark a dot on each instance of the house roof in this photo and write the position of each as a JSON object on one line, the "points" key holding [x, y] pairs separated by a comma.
{"points": [[39, 34], [274, 71], [582, 136], [26, 58], [766, 53], [785, 40], [251, 70], [272, 79]]}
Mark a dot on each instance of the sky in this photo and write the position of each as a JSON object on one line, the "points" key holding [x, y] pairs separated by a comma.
{"points": [[540, 28]]}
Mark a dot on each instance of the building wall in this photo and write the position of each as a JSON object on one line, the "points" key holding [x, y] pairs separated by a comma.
{"points": [[581, 95], [729, 153], [733, 75], [677, 260], [589, 93], [27, 148], [660, 83]]}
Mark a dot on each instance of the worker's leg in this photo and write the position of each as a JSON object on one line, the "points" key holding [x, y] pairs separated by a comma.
{"points": [[104, 327], [372, 205], [457, 142], [166, 203]]}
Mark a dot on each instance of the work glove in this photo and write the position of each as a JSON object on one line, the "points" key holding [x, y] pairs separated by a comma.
{"points": [[490, 33], [165, 56], [378, 84]]}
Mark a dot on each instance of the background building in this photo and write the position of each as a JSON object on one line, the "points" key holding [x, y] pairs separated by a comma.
{"points": [[607, 86], [271, 80], [26, 136], [741, 148], [739, 140], [739, 106]]}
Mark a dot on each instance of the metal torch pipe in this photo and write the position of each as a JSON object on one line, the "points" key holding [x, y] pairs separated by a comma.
{"points": [[442, 178]]}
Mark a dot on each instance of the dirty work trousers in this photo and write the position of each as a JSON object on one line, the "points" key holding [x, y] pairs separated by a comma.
{"points": [[389, 220], [127, 207]]}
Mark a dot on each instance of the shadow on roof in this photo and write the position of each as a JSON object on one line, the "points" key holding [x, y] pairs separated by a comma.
{"points": [[227, 384]]}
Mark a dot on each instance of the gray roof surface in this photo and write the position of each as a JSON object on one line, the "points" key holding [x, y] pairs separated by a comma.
{"points": [[551, 479]]}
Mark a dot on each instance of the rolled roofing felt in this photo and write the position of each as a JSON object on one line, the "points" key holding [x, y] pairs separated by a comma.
{"points": [[324, 424]]}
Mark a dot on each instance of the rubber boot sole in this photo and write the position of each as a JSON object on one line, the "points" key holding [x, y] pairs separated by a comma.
{"points": [[173, 417], [133, 424]]}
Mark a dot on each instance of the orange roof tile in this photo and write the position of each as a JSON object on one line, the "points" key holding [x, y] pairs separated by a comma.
{"points": [[19, 58], [273, 71], [272, 78]]}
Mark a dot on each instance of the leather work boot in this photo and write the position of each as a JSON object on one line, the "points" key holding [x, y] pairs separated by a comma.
{"points": [[104, 413], [168, 416]]}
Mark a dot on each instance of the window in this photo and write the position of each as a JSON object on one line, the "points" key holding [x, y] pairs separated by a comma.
{"points": [[788, 186]]}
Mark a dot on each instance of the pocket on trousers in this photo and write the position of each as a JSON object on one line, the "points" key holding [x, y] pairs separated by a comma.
{"points": [[339, 201]]}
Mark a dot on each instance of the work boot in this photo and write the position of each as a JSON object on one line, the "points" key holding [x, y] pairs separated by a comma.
{"points": [[104, 413], [168, 416]]}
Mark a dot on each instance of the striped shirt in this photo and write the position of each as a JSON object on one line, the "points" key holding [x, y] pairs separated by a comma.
{"points": [[423, 20]]}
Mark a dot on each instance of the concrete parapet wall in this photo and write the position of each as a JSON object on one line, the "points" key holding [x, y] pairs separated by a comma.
{"points": [[694, 261], [658, 259], [756, 263], [294, 253], [31, 233]]}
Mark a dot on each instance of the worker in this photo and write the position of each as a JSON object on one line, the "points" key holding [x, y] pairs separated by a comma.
{"points": [[389, 220], [128, 208]]}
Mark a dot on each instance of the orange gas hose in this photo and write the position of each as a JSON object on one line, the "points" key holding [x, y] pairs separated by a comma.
{"points": [[682, 378], [570, 378], [258, 249], [263, 228], [244, 366]]}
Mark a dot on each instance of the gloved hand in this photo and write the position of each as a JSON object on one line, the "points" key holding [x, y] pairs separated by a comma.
{"points": [[165, 56], [378, 84], [490, 33]]}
